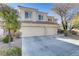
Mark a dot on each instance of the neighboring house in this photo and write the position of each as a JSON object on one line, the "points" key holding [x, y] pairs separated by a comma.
{"points": [[36, 23]]}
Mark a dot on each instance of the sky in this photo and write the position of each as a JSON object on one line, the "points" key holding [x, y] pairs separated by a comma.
{"points": [[45, 7], [40, 6]]}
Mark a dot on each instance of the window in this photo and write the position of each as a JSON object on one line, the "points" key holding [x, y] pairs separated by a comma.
{"points": [[28, 14], [40, 17], [49, 19]]}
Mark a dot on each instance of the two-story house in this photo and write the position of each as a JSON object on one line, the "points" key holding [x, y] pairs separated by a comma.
{"points": [[30, 14], [35, 22]]}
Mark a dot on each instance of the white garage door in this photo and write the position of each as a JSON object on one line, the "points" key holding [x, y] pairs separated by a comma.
{"points": [[38, 31], [32, 31], [51, 30]]}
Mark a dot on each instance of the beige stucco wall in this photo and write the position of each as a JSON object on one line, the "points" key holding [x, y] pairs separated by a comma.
{"points": [[31, 29]]}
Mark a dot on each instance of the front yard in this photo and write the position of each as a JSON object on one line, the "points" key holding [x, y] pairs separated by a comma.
{"points": [[14, 49]]}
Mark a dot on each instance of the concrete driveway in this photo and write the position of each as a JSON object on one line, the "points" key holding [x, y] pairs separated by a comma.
{"points": [[48, 46]]}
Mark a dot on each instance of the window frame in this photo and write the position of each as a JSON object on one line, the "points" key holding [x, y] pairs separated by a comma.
{"points": [[40, 17], [29, 14]]}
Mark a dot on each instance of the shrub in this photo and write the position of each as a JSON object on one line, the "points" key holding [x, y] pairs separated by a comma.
{"points": [[60, 31], [65, 33], [14, 51], [73, 32], [6, 39]]}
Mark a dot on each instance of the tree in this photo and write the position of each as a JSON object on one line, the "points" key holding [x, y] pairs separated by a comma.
{"points": [[75, 21], [62, 10], [9, 15]]}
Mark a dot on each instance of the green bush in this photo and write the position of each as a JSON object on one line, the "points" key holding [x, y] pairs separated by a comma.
{"points": [[65, 33], [6, 39], [14, 51]]}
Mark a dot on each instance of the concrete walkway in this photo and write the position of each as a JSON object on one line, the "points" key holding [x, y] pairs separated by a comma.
{"points": [[48, 46], [69, 39]]}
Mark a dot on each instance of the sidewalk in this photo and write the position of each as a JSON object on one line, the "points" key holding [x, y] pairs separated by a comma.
{"points": [[69, 39]]}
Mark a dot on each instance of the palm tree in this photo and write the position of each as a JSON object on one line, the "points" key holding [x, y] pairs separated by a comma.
{"points": [[10, 17]]}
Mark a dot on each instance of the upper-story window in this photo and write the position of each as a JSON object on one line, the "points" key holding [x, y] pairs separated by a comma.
{"points": [[28, 14], [50, 20], [40, 17]]}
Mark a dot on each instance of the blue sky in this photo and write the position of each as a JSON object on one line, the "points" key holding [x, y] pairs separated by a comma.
{"points": [[45, 7], [40, 6]]}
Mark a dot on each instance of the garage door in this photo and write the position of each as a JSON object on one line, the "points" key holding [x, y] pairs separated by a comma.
{"points": [[32, 31], [51, 30], [38, 31]]}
